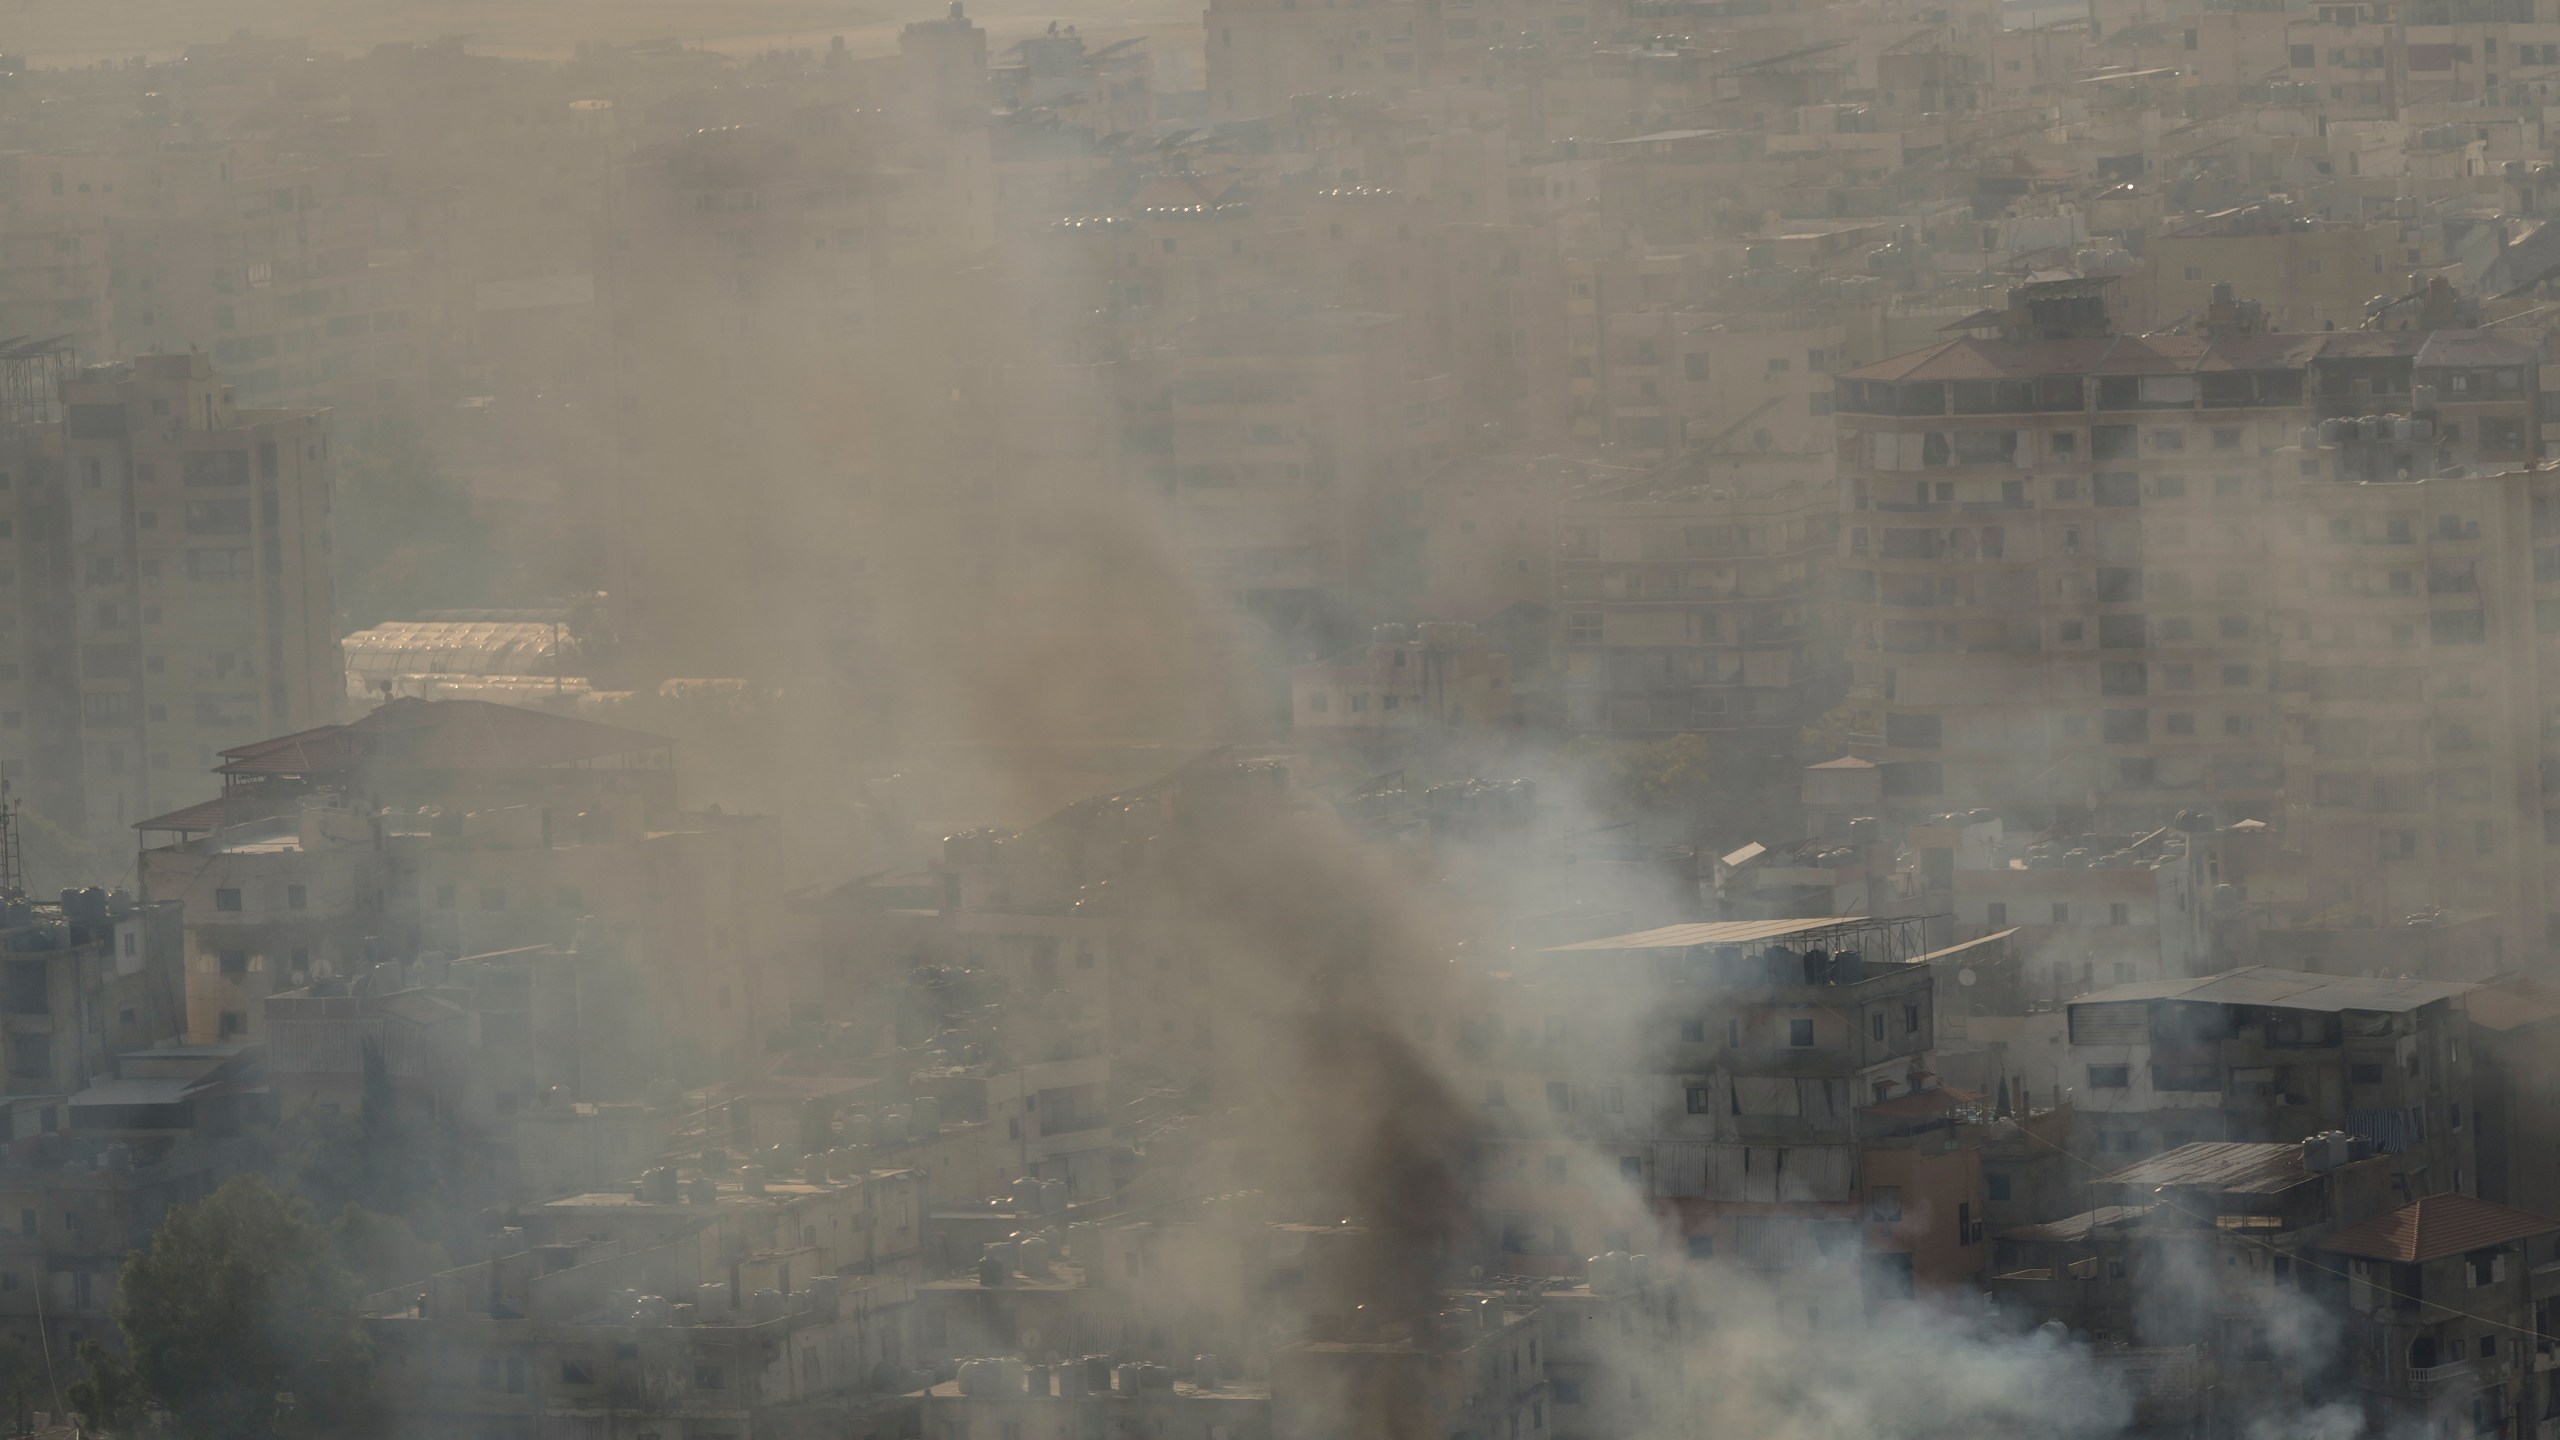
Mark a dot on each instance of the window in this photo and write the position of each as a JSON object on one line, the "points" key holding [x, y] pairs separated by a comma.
{"points": [[577, 1372], [1799, 1033], [2110, 1077], [1996, 1187], [233, 962], [1701, 1100], [709, 1377], [1569, 1392], [1910, 1019], [227, 898], [2061, 912], [1631, 1167], [1694, 1031], [1884, 1202], [1996, 914], [1701, 1247], [1559, 1096], [2119, 913], [1875, 1026], [297, 897]]}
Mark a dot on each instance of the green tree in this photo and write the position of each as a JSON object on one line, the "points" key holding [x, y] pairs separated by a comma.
{"points": [[241, 1321], [382, 1251], [1647, 776], [109, 1398], [405, 535]]}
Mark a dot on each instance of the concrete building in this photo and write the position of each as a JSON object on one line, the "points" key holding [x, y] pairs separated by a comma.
{"points": [[2073, 612], [2259, 1054], [1430, 679], [463, 828], [1683, 1060], [2438, 1294], [579, 1334], [205, 614], [1698, 600]]}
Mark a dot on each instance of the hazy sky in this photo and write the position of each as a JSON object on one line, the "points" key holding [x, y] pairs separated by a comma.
{"points": [[68, 32]]}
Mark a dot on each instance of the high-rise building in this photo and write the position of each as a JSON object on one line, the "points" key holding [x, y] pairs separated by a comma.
{"points": [[195, 553], [2098, 579], [2064, 605]]}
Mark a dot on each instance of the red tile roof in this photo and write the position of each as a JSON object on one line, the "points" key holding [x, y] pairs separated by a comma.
{"points": [[2438, 1226]]}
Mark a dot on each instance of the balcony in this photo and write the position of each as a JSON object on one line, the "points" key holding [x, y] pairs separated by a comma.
{"points": [[2435, 1381]]}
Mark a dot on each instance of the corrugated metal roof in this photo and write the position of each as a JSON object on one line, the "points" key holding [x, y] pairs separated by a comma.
{"points": [[1962, 946], [134, 1092], [2232, 1166], [2078, 1227], [2280, 989], [2435, 1227], [1714, 932]]}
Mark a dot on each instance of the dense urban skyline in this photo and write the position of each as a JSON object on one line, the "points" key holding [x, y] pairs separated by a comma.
{"points": [[1457, 719]]}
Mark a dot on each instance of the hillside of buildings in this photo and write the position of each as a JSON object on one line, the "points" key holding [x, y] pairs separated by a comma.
{"points": [[1321, 720]]}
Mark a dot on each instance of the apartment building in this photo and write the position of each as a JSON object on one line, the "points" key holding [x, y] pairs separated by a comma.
{"points": [[1436, 678], [591, 1336], [2262, 1054], [2311, 274], [85, 980], [1698, 598], [1718, 1077], [2219, 1249], [2077, 610], [460, 827], [197, 538], [1294, 440], [2441, 1294]]}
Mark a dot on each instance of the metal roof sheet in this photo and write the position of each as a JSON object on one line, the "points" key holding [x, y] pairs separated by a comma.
{"points": [[2078, 1227], [1715, 932], [1963, 945], [135, 1092], [2233, 1166], [2286, 990]]}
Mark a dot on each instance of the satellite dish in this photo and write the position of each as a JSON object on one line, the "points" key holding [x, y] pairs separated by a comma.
{"points": [[1965, 976]]}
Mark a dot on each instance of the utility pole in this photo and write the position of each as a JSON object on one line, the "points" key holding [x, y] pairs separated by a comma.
{"points": [[13, 875]]}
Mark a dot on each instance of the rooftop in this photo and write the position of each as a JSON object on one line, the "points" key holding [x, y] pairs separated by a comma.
{"points": [[2438, 1226], [2230, 1166], [1715, 932], [2074, 1228], [2277, 989], [441, 735]]}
